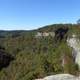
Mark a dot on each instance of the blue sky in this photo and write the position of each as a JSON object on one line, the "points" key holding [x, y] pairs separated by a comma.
{"points": [[32, 14]]}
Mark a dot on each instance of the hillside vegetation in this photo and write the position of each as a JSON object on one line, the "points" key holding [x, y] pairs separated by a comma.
{"points": [[36, 57]]}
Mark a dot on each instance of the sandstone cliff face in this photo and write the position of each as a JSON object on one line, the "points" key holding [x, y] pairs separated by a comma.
{"points": [[74, 42]]}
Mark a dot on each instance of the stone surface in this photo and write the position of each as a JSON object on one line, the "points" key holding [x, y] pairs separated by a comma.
{"points": [[75, 44], [60, 77]]}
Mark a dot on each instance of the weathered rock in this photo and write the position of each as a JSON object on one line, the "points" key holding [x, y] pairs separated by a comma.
{"points": [[60, 77], [75, 44]]}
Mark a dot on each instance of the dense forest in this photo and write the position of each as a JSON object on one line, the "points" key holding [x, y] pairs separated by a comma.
{"points": [[23, 56]]}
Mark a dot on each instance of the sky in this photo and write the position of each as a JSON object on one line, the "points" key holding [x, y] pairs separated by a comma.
{"points": [[32, 14]]}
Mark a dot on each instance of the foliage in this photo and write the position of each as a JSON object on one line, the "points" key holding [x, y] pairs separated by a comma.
{"points": [[37, 57]]}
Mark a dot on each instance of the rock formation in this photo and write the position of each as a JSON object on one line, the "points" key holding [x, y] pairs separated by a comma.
{"points": [[60, 77], [74, 43]]}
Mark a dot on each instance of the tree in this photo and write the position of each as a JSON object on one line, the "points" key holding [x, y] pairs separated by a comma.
{"points": [[78, 21]]}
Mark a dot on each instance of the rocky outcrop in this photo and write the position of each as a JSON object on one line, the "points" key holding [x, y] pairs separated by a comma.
{"points": [[74, 43], [60, 77], [44, 34]]}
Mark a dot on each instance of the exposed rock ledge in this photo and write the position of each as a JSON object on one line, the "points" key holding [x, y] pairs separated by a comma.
{"points": [[60, 77], [74, 42]]}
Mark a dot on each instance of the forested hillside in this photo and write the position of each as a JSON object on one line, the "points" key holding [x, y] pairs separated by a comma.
{"points": [[31, 57]]}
